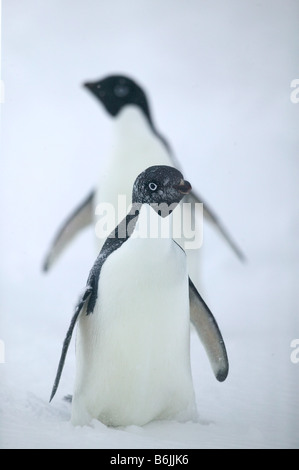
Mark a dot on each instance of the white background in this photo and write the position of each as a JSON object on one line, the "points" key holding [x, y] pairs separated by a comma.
{"points": [[218, 76]]}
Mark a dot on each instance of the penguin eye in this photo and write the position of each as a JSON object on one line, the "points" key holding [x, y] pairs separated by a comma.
{"points": [[153, 186], [121, 91]]}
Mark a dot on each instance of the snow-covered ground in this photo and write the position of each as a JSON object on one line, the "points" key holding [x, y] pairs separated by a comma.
{"points": [[219, 77]]}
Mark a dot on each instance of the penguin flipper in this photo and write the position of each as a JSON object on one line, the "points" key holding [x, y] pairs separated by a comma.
{"points": [[82, 302], [213, 219], [209, 333], [80, 218]]}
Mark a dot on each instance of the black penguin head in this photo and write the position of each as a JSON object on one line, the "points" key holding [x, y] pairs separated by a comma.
{"points": [[162, 187], [117, 91]]}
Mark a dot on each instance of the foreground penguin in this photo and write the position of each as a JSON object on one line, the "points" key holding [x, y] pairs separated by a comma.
{"points": [[133, 319], [137, 145]]}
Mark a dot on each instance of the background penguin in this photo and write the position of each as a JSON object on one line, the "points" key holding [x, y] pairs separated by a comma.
{"points": [[137, 145], [132, 345]]}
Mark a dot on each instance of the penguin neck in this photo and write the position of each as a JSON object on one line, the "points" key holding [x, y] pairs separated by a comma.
{"points": [[142, 221], [150, 225], [132, 121], [133, 125]]}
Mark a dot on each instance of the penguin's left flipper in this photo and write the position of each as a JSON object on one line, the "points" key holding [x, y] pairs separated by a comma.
{"points": [[82, 304], [80, 218], [209, 333], [213, 219]]}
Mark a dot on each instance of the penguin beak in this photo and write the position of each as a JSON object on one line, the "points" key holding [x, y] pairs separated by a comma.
{"points": [[89, 85], [184, 187]]}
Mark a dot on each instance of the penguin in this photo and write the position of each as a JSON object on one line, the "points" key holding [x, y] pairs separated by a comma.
{"points": [[137, 145], [133, 318]]}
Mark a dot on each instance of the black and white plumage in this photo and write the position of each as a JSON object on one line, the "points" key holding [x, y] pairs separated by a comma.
{"points": [[137, 145], [133, 319]]}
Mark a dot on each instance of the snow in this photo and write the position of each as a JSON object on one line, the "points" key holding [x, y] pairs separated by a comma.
{"points": [[219, 77]]}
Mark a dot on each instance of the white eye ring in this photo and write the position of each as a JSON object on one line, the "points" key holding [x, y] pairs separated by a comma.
{"points": [[153, 186]]}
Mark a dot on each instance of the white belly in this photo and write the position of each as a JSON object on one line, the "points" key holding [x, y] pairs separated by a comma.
{"points": [[133, 352]]}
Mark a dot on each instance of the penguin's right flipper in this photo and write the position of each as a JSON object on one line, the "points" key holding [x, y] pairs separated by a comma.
{"points": [[81, 305], [80, 218], [209, 333]]}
